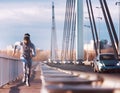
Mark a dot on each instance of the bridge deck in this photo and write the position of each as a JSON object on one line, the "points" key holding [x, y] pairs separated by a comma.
{"points": [[45, 79]]}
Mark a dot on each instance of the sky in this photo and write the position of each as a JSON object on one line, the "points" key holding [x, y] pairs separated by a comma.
{"points": [[30, 16], [35, 17], [100, 23]]}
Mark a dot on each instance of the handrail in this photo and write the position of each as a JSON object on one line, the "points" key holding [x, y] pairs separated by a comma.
{"points": [[10, 69], [10, 58]]}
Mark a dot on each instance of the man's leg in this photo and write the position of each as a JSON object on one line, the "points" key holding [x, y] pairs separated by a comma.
{"points": [[24, 72], [28, 74]]}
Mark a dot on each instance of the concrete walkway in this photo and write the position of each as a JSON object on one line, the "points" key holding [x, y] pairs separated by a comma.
{"points": [[46, 79], [19, 87]]}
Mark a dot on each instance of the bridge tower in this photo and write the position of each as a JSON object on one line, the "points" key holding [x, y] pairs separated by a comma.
{"points": [[54, 55], [79, 31]]}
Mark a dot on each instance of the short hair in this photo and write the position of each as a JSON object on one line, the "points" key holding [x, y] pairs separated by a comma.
{"points": [[27, 36]]}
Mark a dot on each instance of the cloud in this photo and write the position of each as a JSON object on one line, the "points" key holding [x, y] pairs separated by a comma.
{"points": [[33, 17], [26, 13], [20, 13]]}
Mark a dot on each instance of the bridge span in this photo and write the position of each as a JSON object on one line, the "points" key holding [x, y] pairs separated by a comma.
{"points": [[71, 74], [56, 78]]}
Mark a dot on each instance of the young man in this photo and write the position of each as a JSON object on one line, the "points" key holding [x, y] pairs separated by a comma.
{"points": [[27, 52]]}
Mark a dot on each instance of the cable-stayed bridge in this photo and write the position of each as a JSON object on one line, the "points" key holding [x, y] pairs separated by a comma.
{"points": [[64, 77]]}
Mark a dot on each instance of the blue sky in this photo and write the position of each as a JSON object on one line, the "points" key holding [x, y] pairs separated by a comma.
{"points": [[101, 25], [34, 16]]}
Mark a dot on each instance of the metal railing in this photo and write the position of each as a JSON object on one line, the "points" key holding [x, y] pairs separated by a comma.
{"points": [[10, 69]]}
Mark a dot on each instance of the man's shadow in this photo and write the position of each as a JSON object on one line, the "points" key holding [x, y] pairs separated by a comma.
{"points": [[16, 88]]}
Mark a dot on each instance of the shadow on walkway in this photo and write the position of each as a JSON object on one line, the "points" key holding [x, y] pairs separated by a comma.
{"points": [[16, 88]]}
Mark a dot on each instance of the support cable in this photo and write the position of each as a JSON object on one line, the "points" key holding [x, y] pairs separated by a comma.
{"points": [[91, 24], [73, 28], [94, 24], [64, 32], [111, 22], [69, 29], [108, 27]]}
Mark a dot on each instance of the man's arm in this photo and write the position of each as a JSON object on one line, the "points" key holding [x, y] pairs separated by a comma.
{"points": [[15, 47], [33, 50], [14, 51]]}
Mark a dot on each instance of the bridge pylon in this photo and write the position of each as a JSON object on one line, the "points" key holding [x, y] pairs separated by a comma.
{"points": [[79, 31], [54, 49]]}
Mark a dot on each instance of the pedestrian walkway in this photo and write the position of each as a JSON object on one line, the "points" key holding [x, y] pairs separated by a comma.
{"points": [[19, 87], [46, 79]]}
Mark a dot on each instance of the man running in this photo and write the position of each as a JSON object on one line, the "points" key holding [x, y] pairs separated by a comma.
{"points": [[27, 52]]}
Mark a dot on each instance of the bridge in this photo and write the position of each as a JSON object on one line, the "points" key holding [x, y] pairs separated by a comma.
{"points": [[68, 73]]}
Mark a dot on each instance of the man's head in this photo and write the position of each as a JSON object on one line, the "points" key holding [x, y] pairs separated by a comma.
{"points": [[26, 38]]}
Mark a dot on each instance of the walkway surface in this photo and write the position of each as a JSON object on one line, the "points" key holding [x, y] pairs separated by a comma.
{"points": [[19, 87], [46, 79]]}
